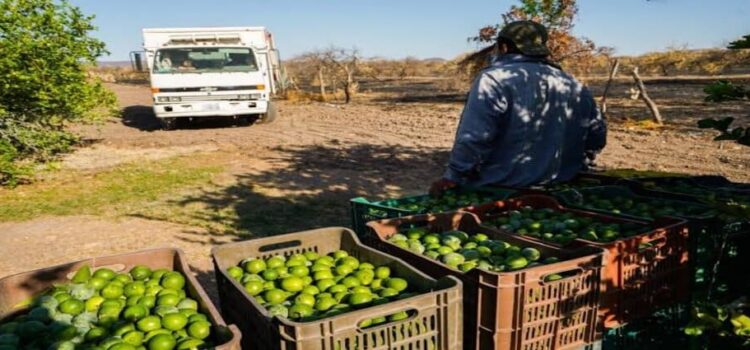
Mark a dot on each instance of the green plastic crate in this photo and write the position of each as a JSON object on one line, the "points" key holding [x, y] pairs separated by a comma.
{"points": [[363, 210]]}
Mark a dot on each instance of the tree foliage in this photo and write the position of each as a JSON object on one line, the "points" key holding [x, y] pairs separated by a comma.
{"points": [[739, 134], [45, 49], [558, 16], [739, 44]]}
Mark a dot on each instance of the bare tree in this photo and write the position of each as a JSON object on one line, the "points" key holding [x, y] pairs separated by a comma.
{"points": [[343, 64]]}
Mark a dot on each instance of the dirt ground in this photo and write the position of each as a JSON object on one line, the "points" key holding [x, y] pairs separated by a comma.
{"points": [[300, 171]]}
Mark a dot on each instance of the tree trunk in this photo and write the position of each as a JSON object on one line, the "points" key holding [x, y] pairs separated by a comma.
{"points": [[644, 96], [348, 85], [322, 84], [612, 75]]}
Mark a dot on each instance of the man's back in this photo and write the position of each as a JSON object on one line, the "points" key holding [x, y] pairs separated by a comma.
{"points": [[526, 122]]}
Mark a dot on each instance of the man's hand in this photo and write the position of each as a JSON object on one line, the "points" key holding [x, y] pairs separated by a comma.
{"points": [[439, 187]]}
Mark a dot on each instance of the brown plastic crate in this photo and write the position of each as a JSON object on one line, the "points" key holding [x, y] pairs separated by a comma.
{"points": [[513, 310], [636, 281], [437, 310], [18, 290]]}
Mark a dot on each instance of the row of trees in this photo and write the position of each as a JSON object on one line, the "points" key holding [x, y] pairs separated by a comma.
{"points": [[45, 49]]}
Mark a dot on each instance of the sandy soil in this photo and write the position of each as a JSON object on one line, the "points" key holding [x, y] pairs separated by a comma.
{"points": [[329, 152]]}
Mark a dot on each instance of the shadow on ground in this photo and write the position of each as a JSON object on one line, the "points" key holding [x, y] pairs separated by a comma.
{"points": [[311, 187]]}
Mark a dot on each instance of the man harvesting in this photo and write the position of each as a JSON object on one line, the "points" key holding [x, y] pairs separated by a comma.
{"points": [[526, 121]]}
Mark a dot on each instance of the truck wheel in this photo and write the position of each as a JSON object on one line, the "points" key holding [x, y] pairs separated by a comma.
{"points": [[269, 116], [168, 123]]}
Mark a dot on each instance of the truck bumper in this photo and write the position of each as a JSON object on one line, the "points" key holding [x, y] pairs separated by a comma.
{"points": [[210, 109]]}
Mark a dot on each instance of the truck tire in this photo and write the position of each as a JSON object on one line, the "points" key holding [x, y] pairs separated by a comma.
{"points": [[168, 123], [269, 116]]}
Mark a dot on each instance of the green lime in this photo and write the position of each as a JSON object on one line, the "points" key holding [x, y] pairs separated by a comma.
{"points": [[187, 303], [305, 299], [325, 304], [108, 314], [149, 301], [168, 300], [140, 272], [158, 274], [299, 271], [190, 344], [516, 262], [300, 311], [137, 288], [338, 288], [254, 287], [388, 292], [275, 296], [276, 261], [323, 275], [174, 321], [199, 329], [351, 261], [156, 332], [254, 266], [62, 296], [112, 291], [358, 299], [133, 338], [383, 272], [311, 256], [292, 284], [162, 342], [123, 278], [339, 254], [312, 290], [149, 323], [398, 316], [366, 266], [135, 313], [351, 282], [235, 272], [93, 303], [173, 280], [365, 276], [344, 269], [376, 284], [122, 346], [95, 334], [164, 310], [104, 273], [324, 284], [82, 275], [72, 307], [399, 284], [270, 275]]}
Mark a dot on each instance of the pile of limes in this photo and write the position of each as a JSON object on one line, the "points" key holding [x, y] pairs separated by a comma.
{"points": [[461, 251], [649, 208], [447, 202], [562, 228], [307, 287], [143, 309]]}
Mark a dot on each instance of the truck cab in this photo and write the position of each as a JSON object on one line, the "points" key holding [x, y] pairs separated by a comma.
{"points": [[211, 72]]}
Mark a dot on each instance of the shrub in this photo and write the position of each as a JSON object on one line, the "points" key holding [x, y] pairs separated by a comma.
{"points": [[45, 48]]}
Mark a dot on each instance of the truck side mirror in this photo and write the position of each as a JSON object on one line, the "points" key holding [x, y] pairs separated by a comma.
{"points": [[136, 61]]}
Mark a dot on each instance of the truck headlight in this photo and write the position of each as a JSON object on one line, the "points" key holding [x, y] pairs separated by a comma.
{"points": [[175, 99], [162, 99], [255, 96], [243, 97]]}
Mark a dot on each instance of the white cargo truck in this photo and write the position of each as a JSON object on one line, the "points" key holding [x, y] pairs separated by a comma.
{"points": [[211, 72]]}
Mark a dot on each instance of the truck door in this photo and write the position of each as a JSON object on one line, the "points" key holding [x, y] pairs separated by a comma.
{"points": [[265, 67]]}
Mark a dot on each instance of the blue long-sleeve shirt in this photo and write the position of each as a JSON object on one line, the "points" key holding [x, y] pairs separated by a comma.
{"points": [[526, 122]]}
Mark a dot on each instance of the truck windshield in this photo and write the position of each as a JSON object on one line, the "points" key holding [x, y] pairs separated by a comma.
{"points": [[204, 60]]}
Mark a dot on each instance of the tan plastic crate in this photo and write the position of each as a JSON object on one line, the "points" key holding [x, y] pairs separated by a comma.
{"points": [[513, 310], [436, 321], [18, 290], [636, 281]]}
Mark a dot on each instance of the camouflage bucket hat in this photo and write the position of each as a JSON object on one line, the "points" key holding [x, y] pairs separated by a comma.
{"points": [[528, 36]]}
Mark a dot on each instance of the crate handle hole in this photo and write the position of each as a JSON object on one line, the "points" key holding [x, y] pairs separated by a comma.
{"points": [[561, 275], [280, 245], [363, 325]]}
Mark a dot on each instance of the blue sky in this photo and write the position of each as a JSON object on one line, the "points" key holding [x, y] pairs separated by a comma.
{"points": [[421, 28]]}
